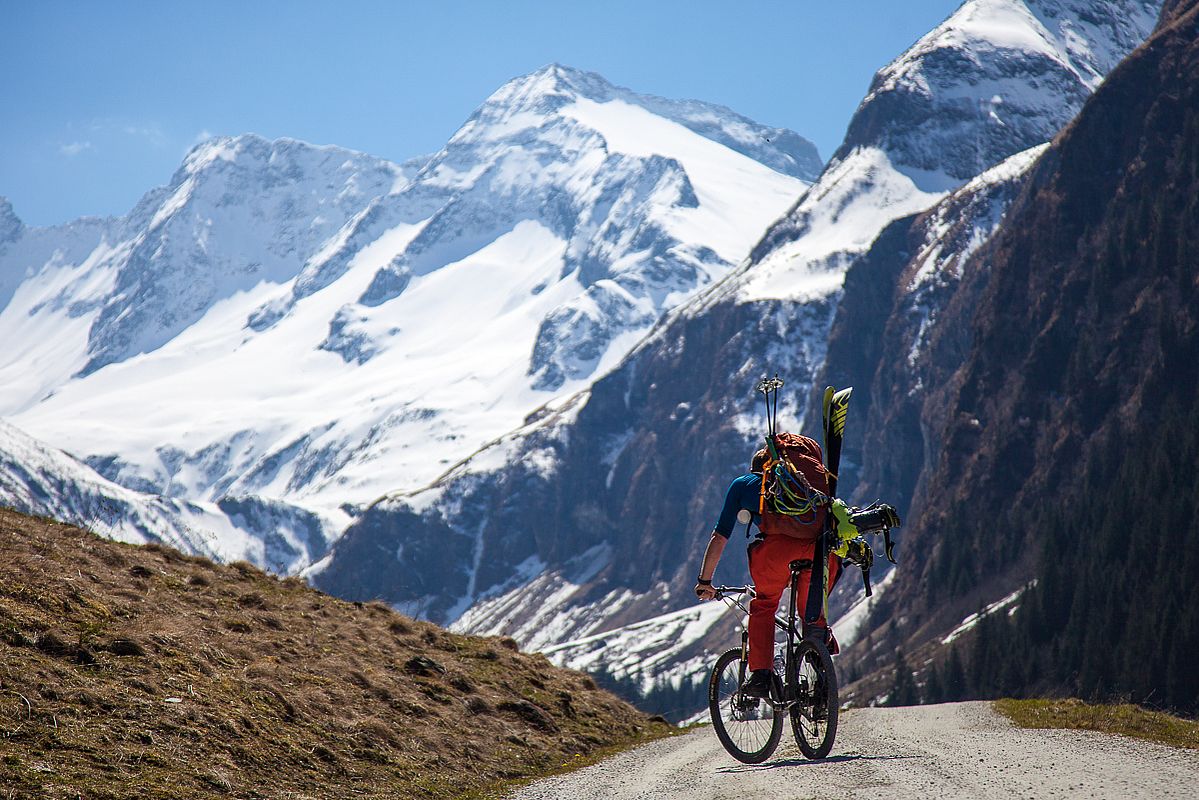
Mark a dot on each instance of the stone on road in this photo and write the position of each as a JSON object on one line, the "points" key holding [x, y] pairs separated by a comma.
{"points": [[955, 750]]}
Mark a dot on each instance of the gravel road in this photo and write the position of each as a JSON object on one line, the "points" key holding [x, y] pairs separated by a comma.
{"points": [[956, 750]]}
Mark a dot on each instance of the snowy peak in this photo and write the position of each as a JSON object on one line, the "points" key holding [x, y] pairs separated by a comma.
{"points": [[554, 87], [650, 199], [547, 90], [240, 211], [257, 153], [1086, 37], [997, 77], [230, 170]]}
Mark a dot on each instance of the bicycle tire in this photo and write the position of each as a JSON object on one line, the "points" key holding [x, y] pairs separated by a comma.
{"points": [[814, 723], [749, 734]]}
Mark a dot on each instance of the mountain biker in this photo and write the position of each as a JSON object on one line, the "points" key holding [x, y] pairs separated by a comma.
{"points": [[769, 568]]}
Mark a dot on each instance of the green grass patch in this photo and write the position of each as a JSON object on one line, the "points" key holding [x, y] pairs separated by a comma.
{"points": [[1123, 719]]}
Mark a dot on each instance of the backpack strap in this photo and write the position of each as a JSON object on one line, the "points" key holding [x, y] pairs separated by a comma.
{"points": [[766, 468]]}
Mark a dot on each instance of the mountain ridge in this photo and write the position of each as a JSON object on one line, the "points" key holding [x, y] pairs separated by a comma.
{"points": [[918, 99], [291, 299]]}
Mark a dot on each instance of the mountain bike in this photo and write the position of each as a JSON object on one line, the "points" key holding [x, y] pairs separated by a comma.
{"points": [[805, 688]]}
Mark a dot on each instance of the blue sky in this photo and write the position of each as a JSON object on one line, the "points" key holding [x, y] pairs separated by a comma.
{"points": [[101, 100]]}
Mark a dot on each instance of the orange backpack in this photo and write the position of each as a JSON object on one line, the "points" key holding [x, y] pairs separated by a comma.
{"points": [[794, 495]]}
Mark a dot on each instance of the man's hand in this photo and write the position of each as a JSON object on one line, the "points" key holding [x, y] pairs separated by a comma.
{"points": [[704, 591]]}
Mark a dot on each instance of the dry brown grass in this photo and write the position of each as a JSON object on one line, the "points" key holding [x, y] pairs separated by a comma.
{"points": [[1123, 719], [137, 671]]}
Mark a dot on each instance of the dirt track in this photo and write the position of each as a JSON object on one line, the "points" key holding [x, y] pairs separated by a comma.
{"points": [[957, 750]]}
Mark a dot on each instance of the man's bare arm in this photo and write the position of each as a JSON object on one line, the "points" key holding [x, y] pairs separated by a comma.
{"points": [[712, 555]]}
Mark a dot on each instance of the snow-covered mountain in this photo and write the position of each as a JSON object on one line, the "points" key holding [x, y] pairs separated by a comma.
{"points": [[589, 518], [38, 479], [996, 78], [995, 75], [285, 323], [538, 343], [239, 214]]}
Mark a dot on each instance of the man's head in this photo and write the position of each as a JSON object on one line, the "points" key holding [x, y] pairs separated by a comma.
{"points": [[758, 462]]}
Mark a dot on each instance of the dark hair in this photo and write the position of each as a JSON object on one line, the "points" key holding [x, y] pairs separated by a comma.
{"points": [[758, 462]]}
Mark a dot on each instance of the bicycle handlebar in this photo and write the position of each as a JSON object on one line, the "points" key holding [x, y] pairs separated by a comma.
{"points": [[730, 591]]}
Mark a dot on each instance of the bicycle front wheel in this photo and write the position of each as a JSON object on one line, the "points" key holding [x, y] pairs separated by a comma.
{"points": [[814, 715], [748, 727]]}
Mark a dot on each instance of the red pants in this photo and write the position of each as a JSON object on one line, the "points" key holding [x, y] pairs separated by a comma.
{"points": [[770, 569]]}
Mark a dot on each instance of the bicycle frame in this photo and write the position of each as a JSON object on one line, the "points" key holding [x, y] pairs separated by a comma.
{"points": [[787, 693]]}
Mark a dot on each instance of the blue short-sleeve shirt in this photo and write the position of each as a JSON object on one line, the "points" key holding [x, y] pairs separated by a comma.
{"points": [[744, 494]]}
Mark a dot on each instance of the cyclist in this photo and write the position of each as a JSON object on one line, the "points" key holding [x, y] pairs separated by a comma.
{"points": [[769, 568]]}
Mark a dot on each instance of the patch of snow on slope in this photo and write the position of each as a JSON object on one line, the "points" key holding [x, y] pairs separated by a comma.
{"points": [[838, 217], [648, 650], [849, 625], [973, 619], [536, 624], [979, 208], [731, 188], [47, 320]]}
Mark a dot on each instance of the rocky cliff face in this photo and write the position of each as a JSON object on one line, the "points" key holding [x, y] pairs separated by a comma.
{"points": [[1075, 340], [11, 226], [891, 308], [993, 79]]}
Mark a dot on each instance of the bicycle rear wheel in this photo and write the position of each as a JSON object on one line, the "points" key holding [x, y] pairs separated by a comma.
{"points": [[749, 728], [814, 717]]}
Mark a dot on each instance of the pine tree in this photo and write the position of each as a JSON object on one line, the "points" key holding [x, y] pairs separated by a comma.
{"points": [[1115, 613], [982, 665], [934, 687], [954, 680], [903, 689]]}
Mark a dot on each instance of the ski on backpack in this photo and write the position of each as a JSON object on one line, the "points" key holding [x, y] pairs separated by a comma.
{"points": [[836, 409]]}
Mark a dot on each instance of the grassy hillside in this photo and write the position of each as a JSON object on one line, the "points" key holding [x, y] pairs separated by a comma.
{"points": [[137, 671]]}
